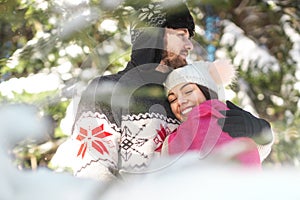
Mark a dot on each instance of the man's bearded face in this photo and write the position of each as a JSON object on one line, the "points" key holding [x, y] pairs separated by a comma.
{"points": [[173, 60], [177, 46]]}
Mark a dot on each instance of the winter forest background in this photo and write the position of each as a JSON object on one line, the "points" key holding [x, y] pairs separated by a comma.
{"points": [[49, 50]]}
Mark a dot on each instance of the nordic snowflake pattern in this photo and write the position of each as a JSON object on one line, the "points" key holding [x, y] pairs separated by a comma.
{"points": [[92, 139], [152, 15]]}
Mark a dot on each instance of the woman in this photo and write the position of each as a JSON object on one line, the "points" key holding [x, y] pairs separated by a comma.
{"points": [[193, 92]]}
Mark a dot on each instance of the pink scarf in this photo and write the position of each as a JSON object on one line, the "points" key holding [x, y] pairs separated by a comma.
{"points": [[201, 132]]}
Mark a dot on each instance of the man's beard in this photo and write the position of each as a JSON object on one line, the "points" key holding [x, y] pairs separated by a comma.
{"points": [[173, 60]]}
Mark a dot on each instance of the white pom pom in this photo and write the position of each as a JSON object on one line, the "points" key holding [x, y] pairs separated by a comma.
{"points": [[222, 71]]}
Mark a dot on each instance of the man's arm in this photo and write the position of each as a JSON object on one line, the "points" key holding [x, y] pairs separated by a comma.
{"points": [[240, 123], [92, 149]]}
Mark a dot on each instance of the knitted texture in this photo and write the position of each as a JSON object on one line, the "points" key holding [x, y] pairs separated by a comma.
{"points": [[209, 74]]}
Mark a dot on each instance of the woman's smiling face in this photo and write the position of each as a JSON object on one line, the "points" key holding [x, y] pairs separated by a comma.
{"points": [[183, 97]]}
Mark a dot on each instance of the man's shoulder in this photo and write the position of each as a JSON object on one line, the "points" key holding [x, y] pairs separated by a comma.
{"points": [[104, 78]]}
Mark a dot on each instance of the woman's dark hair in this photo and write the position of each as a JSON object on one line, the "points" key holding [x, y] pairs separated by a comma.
{"points": [[209, 94]]}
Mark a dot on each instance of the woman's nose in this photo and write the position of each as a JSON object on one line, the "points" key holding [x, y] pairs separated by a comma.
{"points": [[181, 100]]}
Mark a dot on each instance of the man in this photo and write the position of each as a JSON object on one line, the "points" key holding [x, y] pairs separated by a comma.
{"points": [[123, 119]]}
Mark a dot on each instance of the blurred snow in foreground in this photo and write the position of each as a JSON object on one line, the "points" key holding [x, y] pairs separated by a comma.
{"points": [[184, 178], [194, 179], [21, 122]]}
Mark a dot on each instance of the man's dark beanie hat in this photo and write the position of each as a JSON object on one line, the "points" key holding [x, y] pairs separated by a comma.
{"points": [[179, 16], [170, 14]]}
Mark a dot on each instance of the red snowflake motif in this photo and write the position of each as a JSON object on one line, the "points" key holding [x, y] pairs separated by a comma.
{"points": [[95, 138], [160, 137]]}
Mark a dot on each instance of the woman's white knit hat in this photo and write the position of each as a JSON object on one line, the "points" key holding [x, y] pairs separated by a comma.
{"points": [[209, 74]]}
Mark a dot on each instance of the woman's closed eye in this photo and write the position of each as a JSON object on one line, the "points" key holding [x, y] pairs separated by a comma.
{"points": [[172, 99], [188, 92]]}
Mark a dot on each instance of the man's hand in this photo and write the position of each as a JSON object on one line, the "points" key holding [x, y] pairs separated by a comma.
{"points": [[240, 123]]}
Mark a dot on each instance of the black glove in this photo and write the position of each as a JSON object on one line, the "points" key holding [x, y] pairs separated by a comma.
{"points": [[240, 123]]}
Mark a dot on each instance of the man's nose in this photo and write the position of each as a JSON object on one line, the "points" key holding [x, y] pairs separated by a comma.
{"points": [[188, 45]]}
